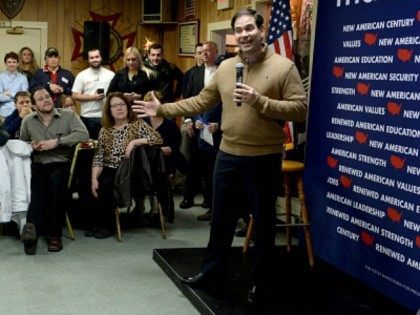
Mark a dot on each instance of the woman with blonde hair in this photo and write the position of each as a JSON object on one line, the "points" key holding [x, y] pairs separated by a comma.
{"points": [[27, 62], [135, 80]]}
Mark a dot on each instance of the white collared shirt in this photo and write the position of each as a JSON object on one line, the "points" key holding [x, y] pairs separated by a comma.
{"points": [[208, 73]]}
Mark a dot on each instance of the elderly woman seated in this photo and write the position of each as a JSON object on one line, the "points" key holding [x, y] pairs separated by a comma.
{"points": [[121, 132]]}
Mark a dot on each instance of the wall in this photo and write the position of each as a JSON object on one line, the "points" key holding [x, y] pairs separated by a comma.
{"points": [[66, 17]]}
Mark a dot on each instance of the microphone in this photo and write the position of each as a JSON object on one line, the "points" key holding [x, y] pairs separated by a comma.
{"points": [[239, 76]]}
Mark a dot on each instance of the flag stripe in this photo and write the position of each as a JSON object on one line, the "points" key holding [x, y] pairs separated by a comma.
{"points": [[280, 39]]}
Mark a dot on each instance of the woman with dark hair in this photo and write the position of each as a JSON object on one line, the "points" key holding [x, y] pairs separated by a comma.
{"points": [[135, 80], [121, 131], [27, 62]]}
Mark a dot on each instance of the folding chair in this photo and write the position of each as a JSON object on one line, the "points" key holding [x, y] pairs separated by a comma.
{"points": [[152, 192], [88, 145]]}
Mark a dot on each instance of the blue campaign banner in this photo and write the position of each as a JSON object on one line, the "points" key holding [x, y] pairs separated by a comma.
{"points": [[362, 177]]}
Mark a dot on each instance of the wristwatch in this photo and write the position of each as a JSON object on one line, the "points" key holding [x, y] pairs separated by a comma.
{"points": [[59, 140]]}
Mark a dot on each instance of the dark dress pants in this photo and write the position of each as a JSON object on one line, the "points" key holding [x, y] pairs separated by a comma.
{"points": [[105, 211], [49, 197], [257, 180]]}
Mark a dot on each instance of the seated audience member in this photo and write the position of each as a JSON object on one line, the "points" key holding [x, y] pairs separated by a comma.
{"points": [[121, 131], [135, 80], [55, 79], [23, 108], [68, 102], [171, 137], [52, 132], [27, 62], [11, 81]]}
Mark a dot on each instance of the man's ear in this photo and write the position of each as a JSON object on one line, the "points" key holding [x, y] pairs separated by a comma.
{"points": [[262, 30]]}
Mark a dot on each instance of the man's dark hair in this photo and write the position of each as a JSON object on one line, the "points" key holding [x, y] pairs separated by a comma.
{"points": [[21, 94], [11, 55], [259, 20], [155, 46], [95, 49]]}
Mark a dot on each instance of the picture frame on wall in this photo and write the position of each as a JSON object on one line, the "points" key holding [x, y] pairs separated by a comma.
{"points": [[188, 37]]}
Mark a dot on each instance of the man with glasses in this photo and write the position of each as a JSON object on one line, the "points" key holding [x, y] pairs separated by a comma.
{"points": [[52, 132]]}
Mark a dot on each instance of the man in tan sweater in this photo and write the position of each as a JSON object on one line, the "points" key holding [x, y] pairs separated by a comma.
{"points": [[248, 165]]}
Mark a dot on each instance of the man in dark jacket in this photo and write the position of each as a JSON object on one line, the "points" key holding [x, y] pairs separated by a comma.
{"points": [[14, 120], [169, 75], [202, 158], [52, 77]]}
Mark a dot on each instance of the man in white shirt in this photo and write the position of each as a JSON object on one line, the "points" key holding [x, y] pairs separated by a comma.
{"points": [[90, 88]]}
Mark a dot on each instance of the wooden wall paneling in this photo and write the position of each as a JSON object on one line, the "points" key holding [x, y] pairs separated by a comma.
{"points": [[183, 62], [81, 13], [42, 10], [52, 19], [61, 33], [68, 45], [97, 5], [133, 14], [62, 15], [30, 11], [170, 43]]}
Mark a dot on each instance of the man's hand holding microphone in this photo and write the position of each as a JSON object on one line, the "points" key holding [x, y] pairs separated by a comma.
{"points": [[242, 92]]}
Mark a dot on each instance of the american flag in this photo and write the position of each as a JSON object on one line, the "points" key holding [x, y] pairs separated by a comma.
{"points": [[280, 39], [280, 30]]}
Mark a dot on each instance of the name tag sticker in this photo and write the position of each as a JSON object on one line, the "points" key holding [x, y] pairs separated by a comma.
{"points": [[64, 80]]}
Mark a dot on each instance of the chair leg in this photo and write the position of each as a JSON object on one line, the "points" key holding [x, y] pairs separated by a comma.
{"points": [[162, 220], [117, 221], [249, 232], [305, 218], [288, 205], [69, 228]]}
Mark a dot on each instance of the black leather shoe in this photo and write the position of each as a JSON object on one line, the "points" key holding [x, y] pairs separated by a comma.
{"points": [[206, 205], [206, 216], [91, 232], [186, 204], [55, 244], [198, 280], [103, 233], [242, 232], [253, 295], [29, 238], [259, 295]]}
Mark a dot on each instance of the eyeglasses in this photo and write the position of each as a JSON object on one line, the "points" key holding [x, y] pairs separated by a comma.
{"points": [[120, 105]]}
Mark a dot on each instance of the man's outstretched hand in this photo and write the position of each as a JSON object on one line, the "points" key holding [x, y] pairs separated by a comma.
{"points": [[146, 109]]}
